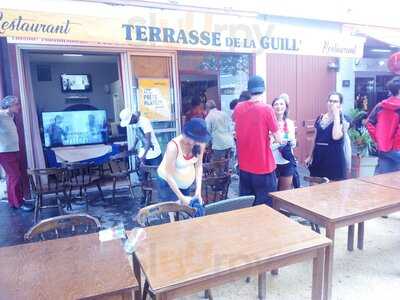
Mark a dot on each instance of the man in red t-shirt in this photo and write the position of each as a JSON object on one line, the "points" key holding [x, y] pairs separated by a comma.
{"points": [[255, 121]]}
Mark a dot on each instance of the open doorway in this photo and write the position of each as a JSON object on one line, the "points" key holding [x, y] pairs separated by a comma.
{"points": [[204, 87], [74, 101], [221, 77]]}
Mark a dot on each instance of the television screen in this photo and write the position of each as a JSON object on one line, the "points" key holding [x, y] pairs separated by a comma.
{"points": [[70, 128], [76, 83]]}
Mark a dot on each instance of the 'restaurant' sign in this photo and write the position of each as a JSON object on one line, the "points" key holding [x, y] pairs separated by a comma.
{"points": [[175, 30]]}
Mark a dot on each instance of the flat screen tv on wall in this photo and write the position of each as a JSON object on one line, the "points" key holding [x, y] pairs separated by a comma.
{"points": [[71, 128], [76, 83]]}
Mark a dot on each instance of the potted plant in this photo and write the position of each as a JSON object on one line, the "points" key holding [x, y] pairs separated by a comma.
{"points": [[363, 162]]}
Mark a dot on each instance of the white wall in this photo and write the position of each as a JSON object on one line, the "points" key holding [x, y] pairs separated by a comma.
{"points": [[48, 95]]}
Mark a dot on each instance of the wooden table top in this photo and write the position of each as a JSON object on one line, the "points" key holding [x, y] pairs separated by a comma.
{"points": [[339, 200], [69, 268], [391, 180], [181, 253]]}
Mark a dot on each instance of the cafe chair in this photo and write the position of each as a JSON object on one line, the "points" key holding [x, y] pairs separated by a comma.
{"points": [[48, 182], [215, 188], [81, 176], [229, 204], [164, 212], [216, 168], [161, 213], [315, 180], [207, 156], [63, 226], [148, 181], [120, 170]]}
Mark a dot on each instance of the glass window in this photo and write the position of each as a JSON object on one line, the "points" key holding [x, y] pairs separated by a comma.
{"points": [[153, 88], [234, 74], [217, 76]]}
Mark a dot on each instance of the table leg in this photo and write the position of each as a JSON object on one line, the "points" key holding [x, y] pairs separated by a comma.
{"points": [[275, 205], [330, 234], [127, 295], [360, 240], [161, 297], [318, 275], [137, 272], [262, 286], [350, 238]]}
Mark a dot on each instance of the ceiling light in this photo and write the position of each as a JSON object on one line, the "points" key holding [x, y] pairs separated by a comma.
{"points": [[72, 54], [381, 50], [381, 63]]}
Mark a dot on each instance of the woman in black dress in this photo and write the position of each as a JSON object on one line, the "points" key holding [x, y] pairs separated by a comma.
{"points": [[328, 159]]}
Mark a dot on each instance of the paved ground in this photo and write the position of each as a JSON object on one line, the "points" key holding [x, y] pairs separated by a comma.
{"points": [[373, 273]]}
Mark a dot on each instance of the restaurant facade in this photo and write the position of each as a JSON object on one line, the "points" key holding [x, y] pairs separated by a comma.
{"points": [[84, 56]]}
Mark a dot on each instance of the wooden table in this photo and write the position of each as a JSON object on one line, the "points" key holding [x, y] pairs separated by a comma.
{"points": [[339, 204], [189, 256], [391, 180], [71, 268]]}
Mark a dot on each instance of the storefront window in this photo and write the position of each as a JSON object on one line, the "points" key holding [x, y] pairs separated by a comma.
{"points": [[234, 74], [153, 89]]}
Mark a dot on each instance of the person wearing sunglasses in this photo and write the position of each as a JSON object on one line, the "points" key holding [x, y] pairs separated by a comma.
{"points": [[328, 157]]}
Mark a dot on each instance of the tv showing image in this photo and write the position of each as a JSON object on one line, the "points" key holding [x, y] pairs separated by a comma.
{"points": [[76, 83], [70, 128]]}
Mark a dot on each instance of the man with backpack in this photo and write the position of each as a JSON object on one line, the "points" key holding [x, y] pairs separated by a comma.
{"points": [[383, 125]]}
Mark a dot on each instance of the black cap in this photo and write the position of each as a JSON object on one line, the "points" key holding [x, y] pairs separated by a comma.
{"points": [[256, 84]]}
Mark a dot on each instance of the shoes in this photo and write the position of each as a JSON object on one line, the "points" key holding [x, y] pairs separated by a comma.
{"points": [[26, 208]]}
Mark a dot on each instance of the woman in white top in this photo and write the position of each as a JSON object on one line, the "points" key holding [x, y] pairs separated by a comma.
{"points": [[182, 166], [283, 154]]}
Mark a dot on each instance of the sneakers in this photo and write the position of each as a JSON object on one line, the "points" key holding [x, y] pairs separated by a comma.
{"points": [[27, 208]]}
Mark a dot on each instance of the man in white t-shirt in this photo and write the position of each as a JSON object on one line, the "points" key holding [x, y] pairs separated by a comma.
{"points": [[149, 151]]}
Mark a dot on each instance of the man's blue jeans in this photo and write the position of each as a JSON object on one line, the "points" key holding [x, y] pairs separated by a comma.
{"points": [[388, 162]]}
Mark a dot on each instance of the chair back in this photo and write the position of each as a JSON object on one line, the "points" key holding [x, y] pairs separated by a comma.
{"points": [[216, 168], [229, 204], [215, 188], [80, 173], [63, 226], [165, 212], [315, 180], [119, 163], [46, 180], [148, 181]]}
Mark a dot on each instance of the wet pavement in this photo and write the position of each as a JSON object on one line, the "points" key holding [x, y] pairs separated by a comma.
{"points": [[14, 223]]}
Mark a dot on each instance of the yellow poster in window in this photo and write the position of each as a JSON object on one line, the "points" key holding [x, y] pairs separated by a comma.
{"points": [[155, 98]]}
